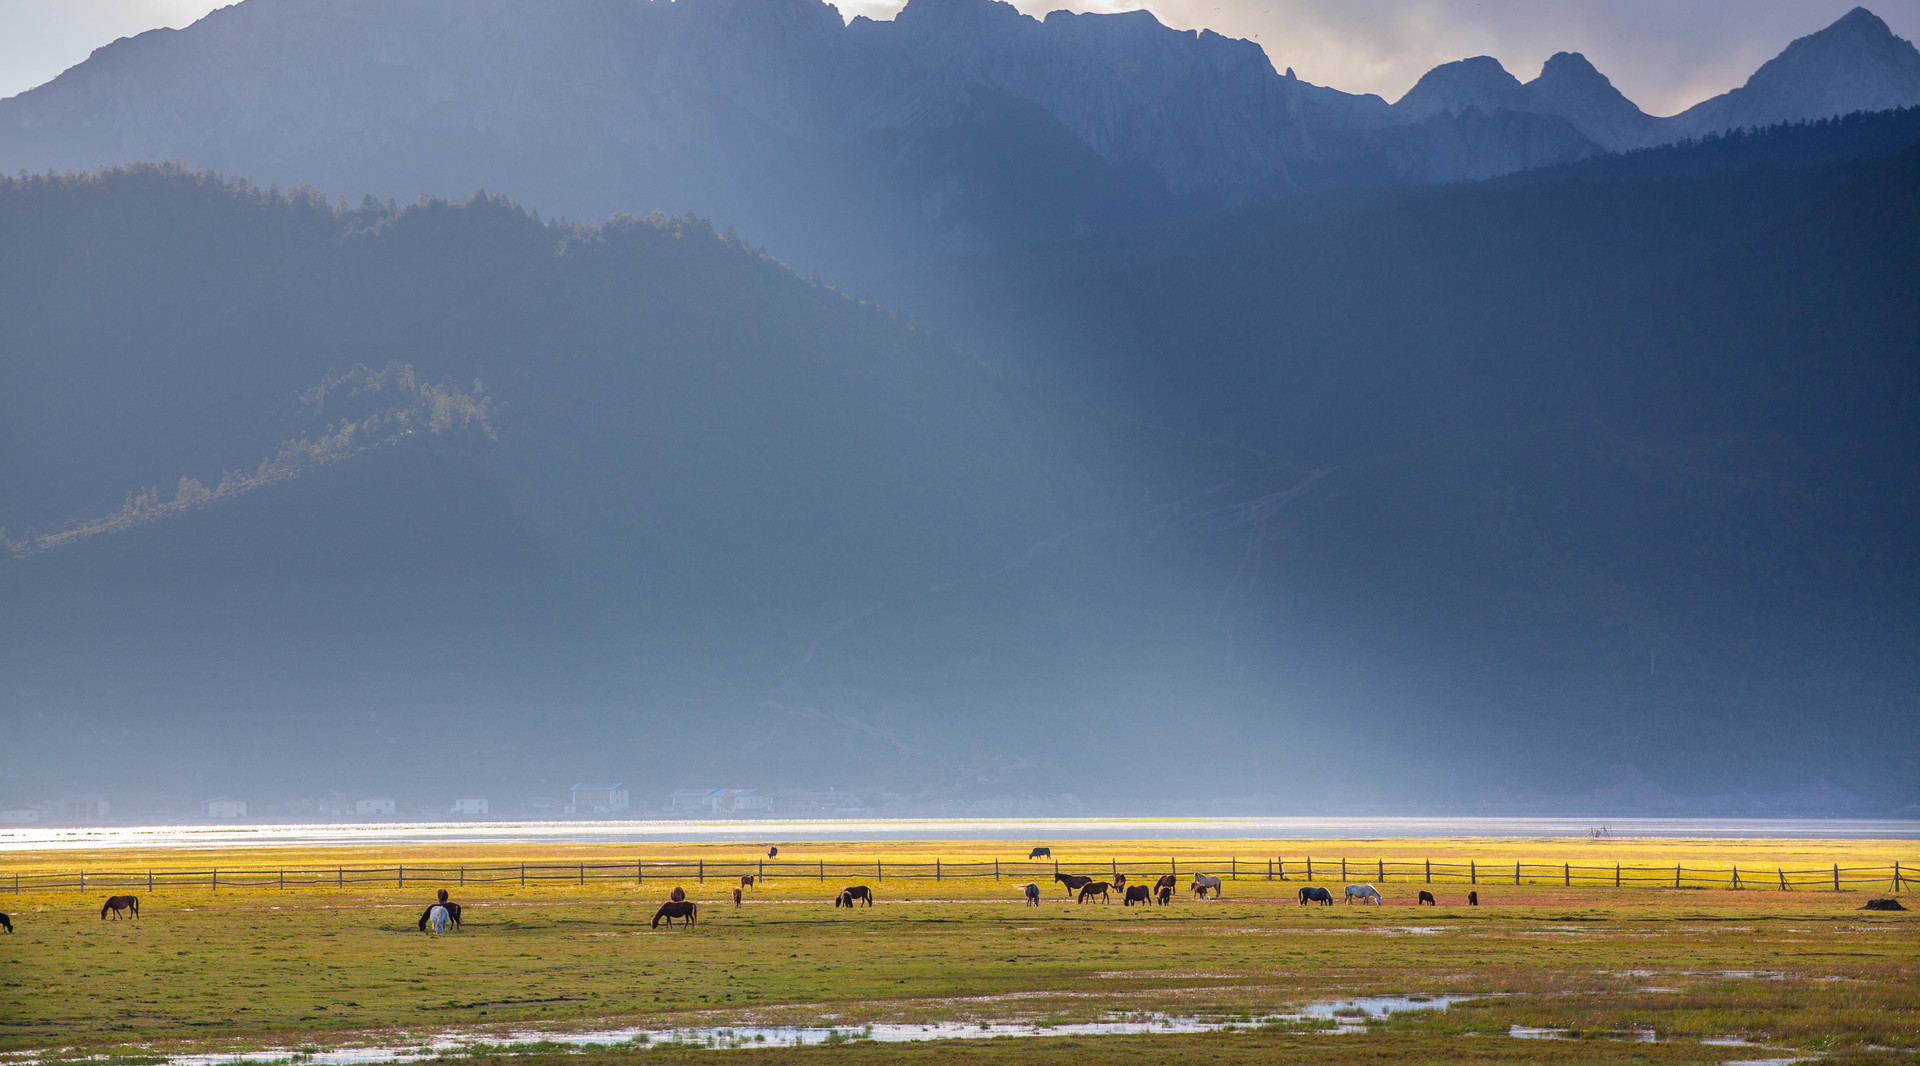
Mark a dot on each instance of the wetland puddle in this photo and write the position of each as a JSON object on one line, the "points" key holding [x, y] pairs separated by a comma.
{"points": [[1342, 1016]]}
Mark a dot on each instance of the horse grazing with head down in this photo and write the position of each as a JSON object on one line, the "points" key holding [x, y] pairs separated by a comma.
{"points": [[116, 904], [849, 895], [6, 923], [1363, 893], [452, 909], [1074, 882], [1032, 892], [1165, 895], [677, 908], [1426, 898], [1135, 894], [1315, 895], [1203, 882], [1096, 888]]}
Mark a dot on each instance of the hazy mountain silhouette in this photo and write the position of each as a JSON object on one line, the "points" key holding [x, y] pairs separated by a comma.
{"points": [[960, 124]]}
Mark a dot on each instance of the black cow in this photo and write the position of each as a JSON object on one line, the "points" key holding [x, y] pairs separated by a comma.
{"points": [[1040, 853], [1315, 895]]}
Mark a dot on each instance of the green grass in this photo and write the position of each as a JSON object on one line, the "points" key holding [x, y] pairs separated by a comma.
{"points": [[260, 967]]}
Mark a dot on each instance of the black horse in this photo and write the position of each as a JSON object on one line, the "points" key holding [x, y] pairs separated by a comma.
{"points": [[453, 911], [1473, 899], [771, 852], [1427, 898], [1315, 895], [848, 895], [677, 908], [116, 904], [1040, 853], [1074, 882], [6, 923]]}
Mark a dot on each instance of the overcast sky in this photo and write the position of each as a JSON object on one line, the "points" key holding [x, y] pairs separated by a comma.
{"points": [[1664, 54]]}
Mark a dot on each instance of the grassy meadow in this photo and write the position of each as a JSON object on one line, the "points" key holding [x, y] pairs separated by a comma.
{"points": [[260, 967]]}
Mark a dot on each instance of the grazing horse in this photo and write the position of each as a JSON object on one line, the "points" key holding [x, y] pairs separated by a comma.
{"points": [[438, 916], [1202, 882], [771, 852], [1074, 882], [1119, 880], [678, 895], [452, 909], [746, 880], [736, 899], [1095, 888], [1363, 893], [1427, 898], [1315, 895], [116, 904], [1165, 895], [1040, 853], [677, 908], [1032, 892], [1136, 894], [848, 895], [1166, 881], [6, 923], [1473, 899]]}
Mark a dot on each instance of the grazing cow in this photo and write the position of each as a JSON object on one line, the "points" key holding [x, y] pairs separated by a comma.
{"points": [[677, 908], [1095, 888], [746, 880], [1166, 895], [1473, 899], [438, 917], [452, 909], [1074, 882], [1427, 898], [1040, 853], [116, 904], [1032, 892], [678, 895], [1315, 895], [1137, 894], [847, 896], [1203, 882], [1363, 893], [6, 923], [736, 899]]}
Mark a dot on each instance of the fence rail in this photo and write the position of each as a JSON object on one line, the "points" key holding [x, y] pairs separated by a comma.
{"points": [[1380, 871]]}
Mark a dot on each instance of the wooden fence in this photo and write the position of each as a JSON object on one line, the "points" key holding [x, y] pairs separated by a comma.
{"points": [[1300, 870]]}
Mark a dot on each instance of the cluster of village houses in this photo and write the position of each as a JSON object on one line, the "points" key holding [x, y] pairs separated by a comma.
{"points": [[582, 800]]}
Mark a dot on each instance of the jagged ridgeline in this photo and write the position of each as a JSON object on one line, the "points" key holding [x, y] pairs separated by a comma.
{"points": [[706, 518], [396, 404]]}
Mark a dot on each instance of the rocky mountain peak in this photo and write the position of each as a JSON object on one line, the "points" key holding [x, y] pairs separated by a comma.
{"points": [[1570, 87], [1855, 64], [1453, 87]]}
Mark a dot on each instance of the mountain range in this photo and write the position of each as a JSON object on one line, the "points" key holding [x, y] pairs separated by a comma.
{"points": [[847, 147]]}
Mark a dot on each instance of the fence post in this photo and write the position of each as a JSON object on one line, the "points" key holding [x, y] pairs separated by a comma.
{"points": [[996, 869], [1233, 869], [340, 876], [936, 869], [1309, 867], [1382, 876], [523, 875], [1343, 869], [762, 876], [1896, 875], [1566, 875], [1429, 871], [83, 880], [1836, 877], [1280, 867], [463, 877], [1473, 873], [1736, 876], [403, 875], [879, 870], [1616, 875], [583, 873], [823, 870], [639, 874], [703, 871], [283, 879], [1783, 879], [1269, 869], [16, 881], [1676, 875], [216, 879]]}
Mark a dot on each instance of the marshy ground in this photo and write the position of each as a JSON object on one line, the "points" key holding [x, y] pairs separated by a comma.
{"points": [[1799, 974]]}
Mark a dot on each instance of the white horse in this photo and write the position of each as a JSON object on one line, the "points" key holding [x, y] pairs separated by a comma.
{"points": [[438, 917], [1202, 882], [1363, 893]]}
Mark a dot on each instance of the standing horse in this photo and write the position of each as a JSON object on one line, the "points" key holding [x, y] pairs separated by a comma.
{"points": [[1364, 893], [736, 899], [1074, 882], [1032, 892], [1096, 888], [1473, 899], [677, 908], [1165, 896], [6, 923], [116, 904], [1203, 882], [678, 895], [746, 880], [1315, 895], [1166, 881], [1136, 894], [452, 909], [1040, 853], [847, 896]]}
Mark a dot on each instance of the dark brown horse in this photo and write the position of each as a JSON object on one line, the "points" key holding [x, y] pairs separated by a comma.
{"points": [[677, 908], [736, 899], [1097, 888], [453, 911], [746, 880], [678, 895], [1074, 882], [1473, 899], [1166, 881], [848, 895], [1136, 894], [1426, 897], [6, 923], [1166, 895], [116, 904], [1119, 880]]}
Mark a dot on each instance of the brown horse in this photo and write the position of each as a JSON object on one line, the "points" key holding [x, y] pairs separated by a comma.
{"points": [[1136, 894], [677, 908], [848, 895], [1473, 899], [678, 895], [453, 911], [1119, 880], [1074, 882], [746, 880], [116, 904], [1097, 888], [736, 899], [1427, 898], [1166, 895], [1166, 881]]}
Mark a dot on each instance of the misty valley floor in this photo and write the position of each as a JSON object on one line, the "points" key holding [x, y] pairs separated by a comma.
{"points": [[1802, 973]]}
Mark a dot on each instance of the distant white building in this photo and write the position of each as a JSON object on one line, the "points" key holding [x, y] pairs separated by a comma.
{"points": [[469, 807], [719, 801], [223, 808], [373, 807], [598, 799], [22, 815]]}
